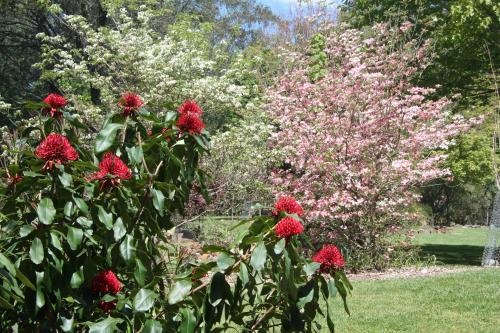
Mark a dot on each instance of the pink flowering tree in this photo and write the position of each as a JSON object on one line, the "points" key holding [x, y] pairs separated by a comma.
{"points": [[361, 140], [84, 244]]}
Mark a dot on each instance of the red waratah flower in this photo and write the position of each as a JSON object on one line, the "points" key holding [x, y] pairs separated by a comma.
{"points": [[55, 149], [288, 227], [288, 205], [55, 102], [330, 258], [106, 282], [189, 122], [190, 107], [112, 170], [107, 306], [130, 103]]}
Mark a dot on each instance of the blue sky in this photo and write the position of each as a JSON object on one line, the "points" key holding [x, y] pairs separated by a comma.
{"points": [[282, 7]]}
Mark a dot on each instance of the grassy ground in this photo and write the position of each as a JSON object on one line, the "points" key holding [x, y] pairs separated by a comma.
{"points": [[461, 302], [456, 246]]}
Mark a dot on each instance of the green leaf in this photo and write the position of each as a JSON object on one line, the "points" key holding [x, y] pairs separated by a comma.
{"points": [[106, 137], [127, 249], [153, 326], [107, 325], [82, 205], [119, 229], [243, 274], [280, 246], [144, 300], [46, 211], [188, 323], [135, 154], [5, 262], [77, 278], [36, 251], [306, 298], [25, 230], [67, 324], [158, 200], [54, 239], [84, 222], [224, 261], [74, 237], [40, 297], [258, 259], [66, 179], [68, 209], [311, 268], [24, 279], [105, 218], [140, 272], [179, 291], [219, 289]]}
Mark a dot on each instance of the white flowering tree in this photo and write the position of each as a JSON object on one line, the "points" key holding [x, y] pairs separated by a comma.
{"points": [[167, 68]]}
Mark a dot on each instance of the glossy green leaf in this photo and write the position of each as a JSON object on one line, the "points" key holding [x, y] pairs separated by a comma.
{"points": [[258, 259], [9, 266], [82, 205], [46, 211], [188, 323], [66, 179], [127, 249], [84, 222], [158, 200], [140, 272], [67, 324], [311, 268], [77, 278], [74, 237], [144, 300], [153, 326], [107, 325], [119, 229], [105, 218], [36, 251], [243, 274], [224, 261], [179, 291], [25, 230], [54, 240], [106, 137], [135, 154], [280, 246]]}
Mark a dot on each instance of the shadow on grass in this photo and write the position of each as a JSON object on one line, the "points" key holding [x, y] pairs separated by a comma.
{"points": [[454, 254]]}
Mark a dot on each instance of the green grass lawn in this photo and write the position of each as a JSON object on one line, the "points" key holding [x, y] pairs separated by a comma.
{"points": [[457, 246], [459, 302]]}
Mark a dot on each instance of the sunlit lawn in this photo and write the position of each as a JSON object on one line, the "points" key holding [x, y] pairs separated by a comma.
{"points": [[454, 303]]}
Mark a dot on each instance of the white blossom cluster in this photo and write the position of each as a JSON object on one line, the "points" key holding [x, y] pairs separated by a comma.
{"points": [[164, 69]]}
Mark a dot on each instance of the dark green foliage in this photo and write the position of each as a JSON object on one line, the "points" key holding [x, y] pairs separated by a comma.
{"points": [[60, 228]]}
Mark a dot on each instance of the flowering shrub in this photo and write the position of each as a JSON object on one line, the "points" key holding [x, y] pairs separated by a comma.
{"points": [[361, 137], [84, 247], [132, 56]]}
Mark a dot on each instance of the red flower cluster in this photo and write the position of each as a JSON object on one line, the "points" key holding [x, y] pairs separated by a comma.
{"points": [[288, 227], [288, 205], [130, 103], [189, 119], [330, 258], [106, 282], [190, 107], [55, 102], [55, 149], [114, 166]]}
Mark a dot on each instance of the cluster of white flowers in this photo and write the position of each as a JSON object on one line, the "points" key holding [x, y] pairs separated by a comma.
{"points": [[164, 69]]}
